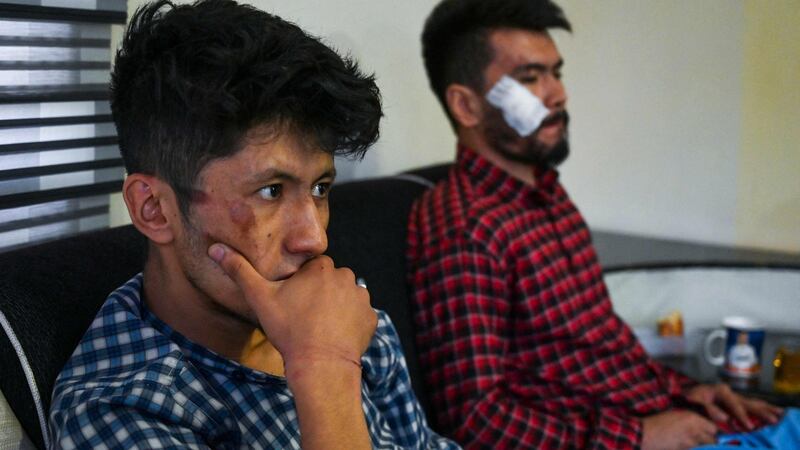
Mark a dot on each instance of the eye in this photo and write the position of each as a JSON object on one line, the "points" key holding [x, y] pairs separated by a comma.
{"points": [[320, 190], [271, 192], [557, 74], [529, 79]]}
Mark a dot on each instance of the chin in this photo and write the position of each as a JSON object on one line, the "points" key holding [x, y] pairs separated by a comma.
{"points": [[236, 307]]}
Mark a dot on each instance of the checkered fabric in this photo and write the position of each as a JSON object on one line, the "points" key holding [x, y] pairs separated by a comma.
{"points": [[516, 331], [133, 382]]}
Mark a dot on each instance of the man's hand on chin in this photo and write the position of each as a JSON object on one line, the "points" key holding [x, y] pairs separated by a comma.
{"points": [[317, 314], [321, 322]]}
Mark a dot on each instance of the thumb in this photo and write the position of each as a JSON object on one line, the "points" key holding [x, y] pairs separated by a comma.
{"points": [[239, 269]]}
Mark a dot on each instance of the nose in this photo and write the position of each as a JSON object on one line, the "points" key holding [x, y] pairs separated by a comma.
{"points": [[306, 234], [555, 96]]}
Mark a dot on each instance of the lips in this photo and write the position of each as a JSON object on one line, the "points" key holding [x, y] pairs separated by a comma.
{"points": [[554, 119]]}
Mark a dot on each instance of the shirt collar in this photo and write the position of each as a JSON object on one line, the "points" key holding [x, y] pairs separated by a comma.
{"points": [[490, 179], [202, 356]]}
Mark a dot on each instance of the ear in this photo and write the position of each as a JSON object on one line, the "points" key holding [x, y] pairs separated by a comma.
{"points": [[464, 105], [152, 206]]}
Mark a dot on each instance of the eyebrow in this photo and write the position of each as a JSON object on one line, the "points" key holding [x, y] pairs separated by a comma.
{"points": [[277, 174], [538, 67]]}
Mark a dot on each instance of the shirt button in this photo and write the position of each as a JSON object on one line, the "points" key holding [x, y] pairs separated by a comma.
{"points": [[237, 375]]}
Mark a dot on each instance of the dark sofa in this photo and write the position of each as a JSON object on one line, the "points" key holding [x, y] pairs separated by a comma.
{"points": [[49, 293]]}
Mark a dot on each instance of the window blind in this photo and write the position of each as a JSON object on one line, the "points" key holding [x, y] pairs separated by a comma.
{"points": [[59, 157]]}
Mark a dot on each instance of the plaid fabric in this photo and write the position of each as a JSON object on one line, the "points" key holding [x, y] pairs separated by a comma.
{"points": [[516, 331], [133, 382]]}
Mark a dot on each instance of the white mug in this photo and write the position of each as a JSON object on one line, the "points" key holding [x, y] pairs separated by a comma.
{"points": [[741, 356]]}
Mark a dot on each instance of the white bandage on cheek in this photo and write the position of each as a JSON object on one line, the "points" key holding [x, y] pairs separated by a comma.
{"points": [[522, 110]]}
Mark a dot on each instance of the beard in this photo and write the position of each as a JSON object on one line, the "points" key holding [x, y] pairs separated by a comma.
{"points": [[209, 280], [527, 150]]}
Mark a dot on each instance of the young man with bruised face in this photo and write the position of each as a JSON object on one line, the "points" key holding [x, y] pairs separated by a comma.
{"points": [[238, 333], [516, 332]]}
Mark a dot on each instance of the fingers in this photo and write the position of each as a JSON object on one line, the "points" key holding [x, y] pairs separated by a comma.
{"points": [[770, 413], [721, 402], [715, 412], [239, 269], [704, 430], [320, 263], [707, 427], [734, 403], [705, 438], [699, 430], [677, 429]]}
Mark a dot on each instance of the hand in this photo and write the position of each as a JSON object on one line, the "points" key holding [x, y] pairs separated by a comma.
{"points": [[317, 316], [719, 398], [676, 430]]}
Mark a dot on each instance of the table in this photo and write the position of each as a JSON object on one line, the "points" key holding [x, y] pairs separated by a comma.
{"points": [[696, 367]]}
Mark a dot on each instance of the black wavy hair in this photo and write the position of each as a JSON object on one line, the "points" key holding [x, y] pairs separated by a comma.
{"points": [[190, 81], [455, 40]]}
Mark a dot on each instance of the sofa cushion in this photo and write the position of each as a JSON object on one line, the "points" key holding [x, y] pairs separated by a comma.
{"points": [[49, 293], [12, 436]]}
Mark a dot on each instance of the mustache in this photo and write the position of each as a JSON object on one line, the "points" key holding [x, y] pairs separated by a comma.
{"points": [[562, 115]]}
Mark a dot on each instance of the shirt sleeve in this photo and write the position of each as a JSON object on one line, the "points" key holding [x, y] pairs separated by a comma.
{"points": [[677, 384], [463, 314], [132, 421], [389, 389]]}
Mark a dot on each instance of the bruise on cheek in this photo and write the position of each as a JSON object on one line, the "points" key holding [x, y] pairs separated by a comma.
{"points": [[242, 215], [199, 197]]}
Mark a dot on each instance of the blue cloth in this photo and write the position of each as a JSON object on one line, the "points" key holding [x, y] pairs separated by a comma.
{"points": [[785, 435], [133, 382]]}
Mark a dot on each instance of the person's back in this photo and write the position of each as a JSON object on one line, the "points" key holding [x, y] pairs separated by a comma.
{"points": [[516, 331]]}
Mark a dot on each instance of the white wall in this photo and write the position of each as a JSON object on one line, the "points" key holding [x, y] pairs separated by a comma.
{"points": [[769, 165], [383, 35], [655, 97]]}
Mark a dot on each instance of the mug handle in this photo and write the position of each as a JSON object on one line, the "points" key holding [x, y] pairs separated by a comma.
{"points": [[716, 360]]}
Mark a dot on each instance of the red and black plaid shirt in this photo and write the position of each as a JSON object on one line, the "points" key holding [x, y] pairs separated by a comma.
{"points": [[516, 332]]}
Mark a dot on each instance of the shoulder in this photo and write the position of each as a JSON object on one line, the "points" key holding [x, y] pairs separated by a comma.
{"points": [[455, 218], [119, 355], [443, 208], [127, 385], [119, 340], [450, 210], [157, 400]]}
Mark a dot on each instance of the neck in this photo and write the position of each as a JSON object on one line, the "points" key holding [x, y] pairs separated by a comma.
{"points": [[517, 169], [171, 297]]}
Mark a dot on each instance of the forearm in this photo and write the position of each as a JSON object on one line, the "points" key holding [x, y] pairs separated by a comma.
{"points": [[502, 421], [675, 383], [328, 401]]}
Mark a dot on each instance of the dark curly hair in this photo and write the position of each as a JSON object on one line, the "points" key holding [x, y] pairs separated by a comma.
{"points": [[455, 40], [190, 81]]}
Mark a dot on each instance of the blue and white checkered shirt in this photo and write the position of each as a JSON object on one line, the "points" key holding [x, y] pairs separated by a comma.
{"points": [[133, 382]]}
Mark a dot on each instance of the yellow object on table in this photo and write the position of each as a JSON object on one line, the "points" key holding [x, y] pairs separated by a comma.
{"points": [[671, 325], [787, 368]]}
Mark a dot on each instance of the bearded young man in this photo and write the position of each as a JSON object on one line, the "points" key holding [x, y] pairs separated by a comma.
{"points": [[515, 328], [238, 333]]}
